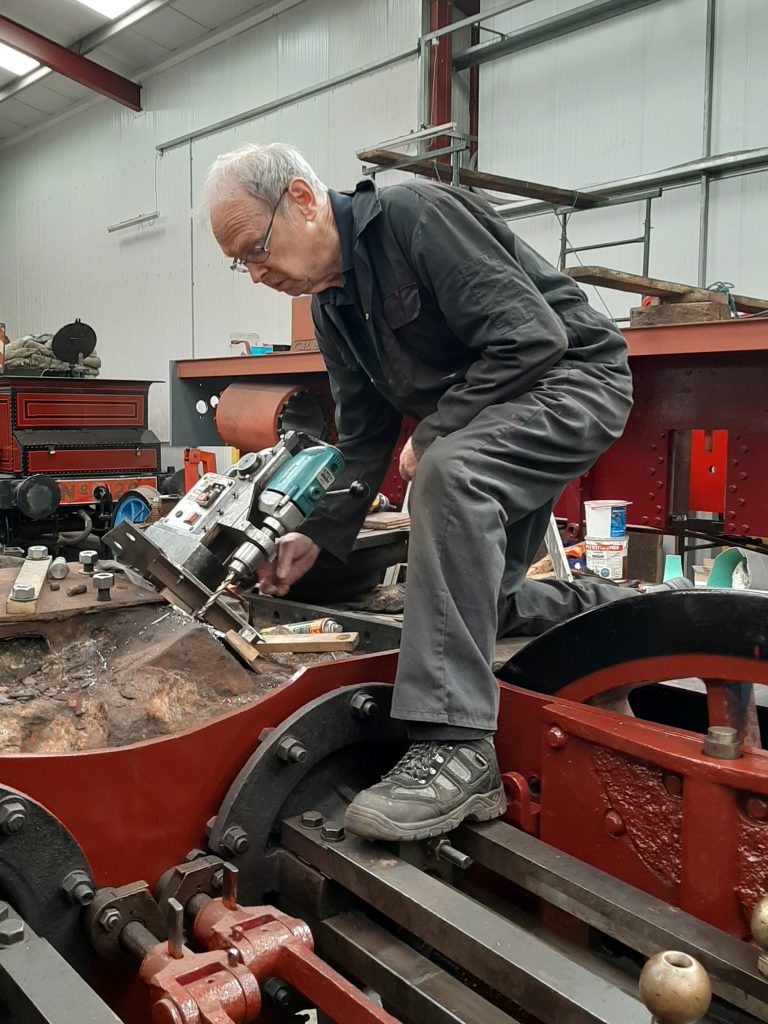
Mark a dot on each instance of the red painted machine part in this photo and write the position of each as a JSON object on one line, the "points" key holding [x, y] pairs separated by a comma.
{"points": [[640, 801]]}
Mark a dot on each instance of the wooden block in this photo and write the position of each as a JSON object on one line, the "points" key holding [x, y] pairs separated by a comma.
{"points": [[31, 574], [313, 643], [247, 651], [387, 521], [678, 313]]}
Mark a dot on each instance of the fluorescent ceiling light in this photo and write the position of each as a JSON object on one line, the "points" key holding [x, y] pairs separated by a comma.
{"points": [[110, 8], [15, 62]]}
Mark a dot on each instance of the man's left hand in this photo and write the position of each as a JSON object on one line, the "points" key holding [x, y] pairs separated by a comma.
{"points": [[409, 460]]}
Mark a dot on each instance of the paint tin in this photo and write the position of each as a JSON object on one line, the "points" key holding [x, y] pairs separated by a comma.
{"points": [[607, 556], [606, 518]]}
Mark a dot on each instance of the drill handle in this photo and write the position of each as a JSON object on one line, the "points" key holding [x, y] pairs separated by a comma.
{"points": [[357, 489]]}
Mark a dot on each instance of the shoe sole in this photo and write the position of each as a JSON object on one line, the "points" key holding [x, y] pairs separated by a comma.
{"points": [[369, 824]]}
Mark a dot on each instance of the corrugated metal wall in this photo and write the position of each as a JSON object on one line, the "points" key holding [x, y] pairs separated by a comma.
{"points": [[618, 99], [626, 97], [163, 291]]}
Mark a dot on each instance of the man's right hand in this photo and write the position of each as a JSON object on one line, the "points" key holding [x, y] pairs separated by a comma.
{"points": [[296, 554]]}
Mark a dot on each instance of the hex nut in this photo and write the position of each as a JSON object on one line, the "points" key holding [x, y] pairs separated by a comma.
{"points": [[13, 816], [11, 931], [312, 819], [333, 832], [235, 840], [109, 919], [103, 582], [277, 991], [363, 705], [22, 592], [290, 749], [78, 888], [37, 552], [88, 560]]}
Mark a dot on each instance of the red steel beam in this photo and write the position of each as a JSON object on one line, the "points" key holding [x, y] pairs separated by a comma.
{"points": [[440, 69], [72, 65]]}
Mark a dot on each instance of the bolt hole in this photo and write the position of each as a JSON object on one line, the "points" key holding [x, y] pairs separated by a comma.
{"points": [[201, 407], [678, 960], [129, 536], [713, 470]]}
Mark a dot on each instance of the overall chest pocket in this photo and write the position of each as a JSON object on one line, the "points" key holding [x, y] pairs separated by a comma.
{"points": [[402, 307]]}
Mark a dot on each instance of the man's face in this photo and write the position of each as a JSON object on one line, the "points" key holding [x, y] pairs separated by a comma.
{"points": [[297, 263]]}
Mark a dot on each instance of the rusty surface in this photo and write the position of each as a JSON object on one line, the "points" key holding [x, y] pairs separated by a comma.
{"points": [[115, 678], [140, 814], [643, 810]]}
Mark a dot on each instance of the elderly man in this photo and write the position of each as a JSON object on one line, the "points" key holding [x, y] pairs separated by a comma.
{"points": [[425, 304]]}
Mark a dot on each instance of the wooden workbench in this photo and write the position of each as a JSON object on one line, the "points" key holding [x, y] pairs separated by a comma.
{"points": [[57, 604]]}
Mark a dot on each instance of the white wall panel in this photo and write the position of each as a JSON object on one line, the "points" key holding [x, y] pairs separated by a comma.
{"points": [[163, 291], [740, 108], [626, 97], [738, 224], [617, 99]]}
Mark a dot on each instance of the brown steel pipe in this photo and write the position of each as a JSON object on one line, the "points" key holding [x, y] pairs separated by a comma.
{"points": [[252, 416]]}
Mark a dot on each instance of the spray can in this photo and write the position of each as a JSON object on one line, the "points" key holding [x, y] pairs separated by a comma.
{"points": [[312, 626], [381, 503]]}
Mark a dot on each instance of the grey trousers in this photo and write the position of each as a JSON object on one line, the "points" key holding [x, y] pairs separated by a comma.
{"points": [[480, 504]]}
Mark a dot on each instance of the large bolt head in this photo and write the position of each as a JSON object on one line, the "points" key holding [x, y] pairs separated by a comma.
{"points": [[11, 931], [88, 560], [312, 819], [13, 816], [675, 988], [22, 592], [332, 832], [103, 580], [37, 552]]}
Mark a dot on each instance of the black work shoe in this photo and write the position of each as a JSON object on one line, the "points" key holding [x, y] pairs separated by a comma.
{"points": [[431, 790]]}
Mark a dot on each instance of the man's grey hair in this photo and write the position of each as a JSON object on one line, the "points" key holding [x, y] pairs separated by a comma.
{"points": [[263, 172]]}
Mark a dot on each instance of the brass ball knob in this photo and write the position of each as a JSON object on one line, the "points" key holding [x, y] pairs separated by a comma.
{"points": [[675, 988], [760, 923]]}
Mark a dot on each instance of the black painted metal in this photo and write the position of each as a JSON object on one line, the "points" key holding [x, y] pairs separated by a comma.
{"points": [[34, 861], [345, 753], [375, 634], [731, 623], [512, 961], [640, 921], [411, 986], [38, 986]]}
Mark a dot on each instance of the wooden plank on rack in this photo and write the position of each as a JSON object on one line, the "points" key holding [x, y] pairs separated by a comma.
{"points": [[604, 277]]}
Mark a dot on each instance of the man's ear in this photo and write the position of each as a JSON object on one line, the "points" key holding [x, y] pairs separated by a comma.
{"points": [[302, 196]]}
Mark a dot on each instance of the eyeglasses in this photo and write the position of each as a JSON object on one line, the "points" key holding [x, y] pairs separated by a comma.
{"points": [[259, 253]]}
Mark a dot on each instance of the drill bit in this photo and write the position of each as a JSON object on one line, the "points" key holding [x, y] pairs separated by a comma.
{"points": [[200, 613]]}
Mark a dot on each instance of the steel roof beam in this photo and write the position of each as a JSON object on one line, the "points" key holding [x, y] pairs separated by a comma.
{"points": [[543, 31], [72, 65]]}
